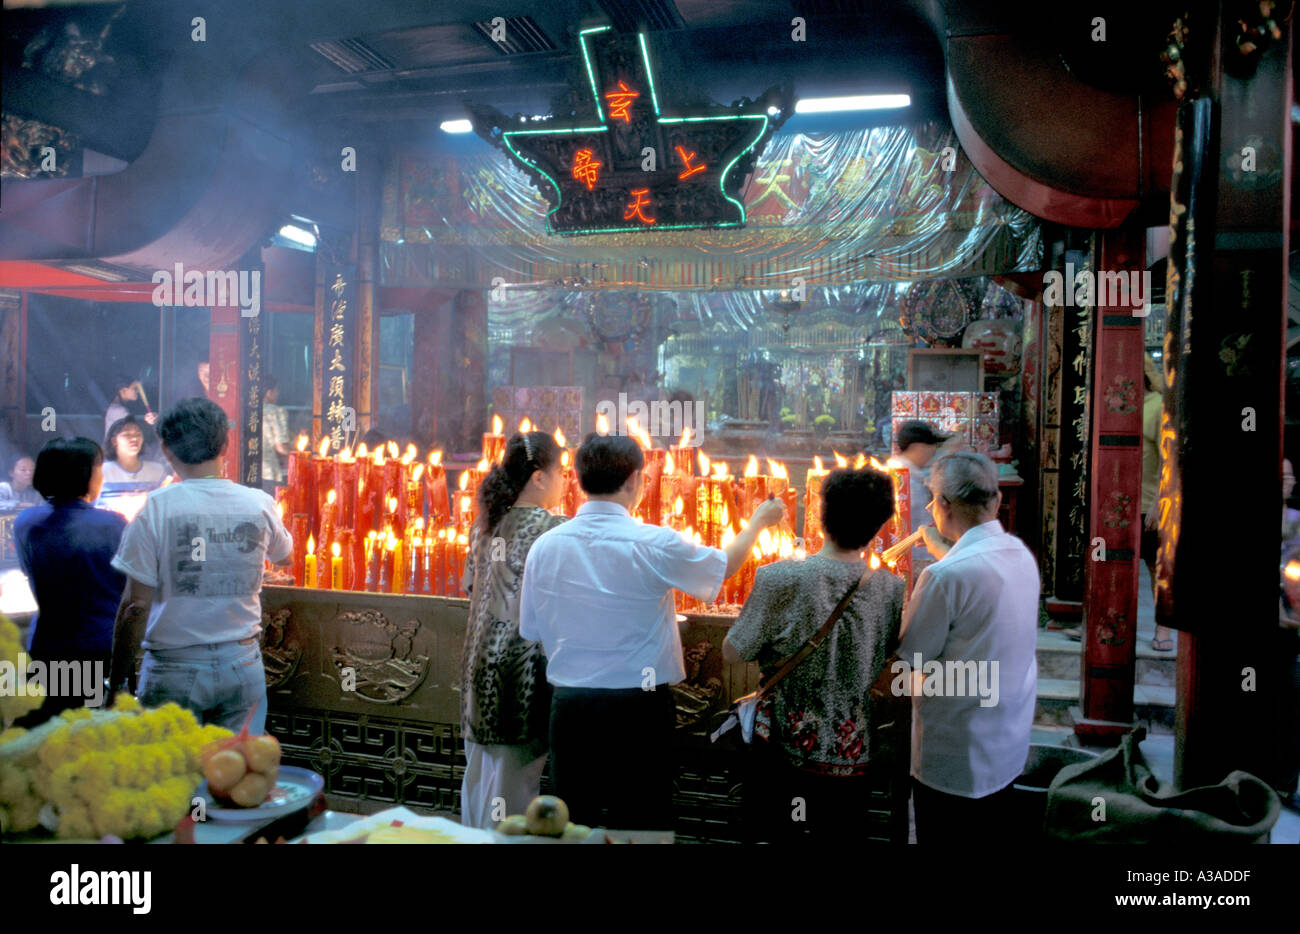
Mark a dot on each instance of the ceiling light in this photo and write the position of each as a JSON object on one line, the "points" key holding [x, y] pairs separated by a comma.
{"points": [[821, 105], [296, 234], [456, 126]]}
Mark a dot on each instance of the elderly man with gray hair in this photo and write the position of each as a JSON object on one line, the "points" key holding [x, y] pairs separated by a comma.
{"points": [[969, 635]]}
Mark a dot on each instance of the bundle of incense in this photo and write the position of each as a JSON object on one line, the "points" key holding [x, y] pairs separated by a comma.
{"points": [[898, 549]]}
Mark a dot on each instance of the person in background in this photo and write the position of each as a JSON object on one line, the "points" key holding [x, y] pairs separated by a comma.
{"points": [[819, 721], [124, 463], [597, 595], [918, 443], [66, 548], [275, 436], [126, 401], [505, 701], [19, 488], [374, 439], [1152, 406], [976, 612], [193, 558]]}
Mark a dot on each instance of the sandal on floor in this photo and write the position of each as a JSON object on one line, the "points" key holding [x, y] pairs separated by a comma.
{"points": [[1162, 645]]}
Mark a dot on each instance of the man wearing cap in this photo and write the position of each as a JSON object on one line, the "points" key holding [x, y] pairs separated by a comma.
{"points": [[918, 442]]}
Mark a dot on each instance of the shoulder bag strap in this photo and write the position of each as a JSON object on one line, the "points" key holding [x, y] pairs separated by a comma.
{"points": [[815, 640]]}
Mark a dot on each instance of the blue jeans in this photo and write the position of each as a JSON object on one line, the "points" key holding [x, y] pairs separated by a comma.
{"points": [[219, 683]]}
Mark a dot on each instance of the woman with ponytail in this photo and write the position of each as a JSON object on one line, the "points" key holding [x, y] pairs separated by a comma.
{"points": [[505, 701]]}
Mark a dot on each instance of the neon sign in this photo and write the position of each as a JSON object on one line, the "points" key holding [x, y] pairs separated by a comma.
{"points": [[585, 168], [629, 165]]}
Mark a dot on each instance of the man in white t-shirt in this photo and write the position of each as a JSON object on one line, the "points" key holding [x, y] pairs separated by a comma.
{"points": [[598, 595], [974, 615], [193, 559]]}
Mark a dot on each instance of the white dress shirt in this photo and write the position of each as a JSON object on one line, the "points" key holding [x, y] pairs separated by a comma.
{"points": [[597, 594], [980, 603]]}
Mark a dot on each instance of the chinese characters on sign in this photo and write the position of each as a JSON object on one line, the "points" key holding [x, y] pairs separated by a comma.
{"points": [[336, 374], [624, 162], [586, 169], [250, 427], [620, 102]]}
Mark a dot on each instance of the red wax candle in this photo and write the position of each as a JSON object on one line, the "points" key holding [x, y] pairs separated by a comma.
{"points": [[346, 474], [301, 480], [300, 535], [435, 482]]}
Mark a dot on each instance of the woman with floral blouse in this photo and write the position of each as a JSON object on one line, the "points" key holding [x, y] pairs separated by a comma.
{"points": [[818, 723]]}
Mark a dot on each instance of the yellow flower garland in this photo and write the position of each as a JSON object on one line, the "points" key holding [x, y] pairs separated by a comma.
{"points": [[128, 772]]}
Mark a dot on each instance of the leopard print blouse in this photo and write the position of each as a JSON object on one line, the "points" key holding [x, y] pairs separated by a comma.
{"points": [[504, 696]]}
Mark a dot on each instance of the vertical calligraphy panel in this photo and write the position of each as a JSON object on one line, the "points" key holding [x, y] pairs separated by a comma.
{"points": [[250, 377], [338, 417]]}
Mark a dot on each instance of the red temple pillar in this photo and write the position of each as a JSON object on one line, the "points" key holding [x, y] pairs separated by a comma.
{"points": [[226, 366], [1114, 489]]}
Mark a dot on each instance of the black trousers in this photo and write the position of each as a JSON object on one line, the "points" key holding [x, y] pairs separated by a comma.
{"points": [[942, 818], [612, 756], [785, 804]]}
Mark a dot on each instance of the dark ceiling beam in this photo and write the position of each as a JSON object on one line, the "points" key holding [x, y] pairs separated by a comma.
{"points": [[1060, 148], [104, 124]]}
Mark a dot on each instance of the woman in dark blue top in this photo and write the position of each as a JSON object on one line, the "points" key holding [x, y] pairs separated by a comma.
{"points": [[65, 548]]}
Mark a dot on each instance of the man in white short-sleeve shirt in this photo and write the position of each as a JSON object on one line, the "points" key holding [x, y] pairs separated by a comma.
{"points": [[975, 613], [193, 557], [597, 593]]}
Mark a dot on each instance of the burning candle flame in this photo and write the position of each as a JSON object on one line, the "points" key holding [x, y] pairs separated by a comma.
{"points": [[895, 463], [559, 438], [483, 466], [602, 424], [362, 451], [751, 468], [392, 504], [720, 470], [346, 455], [678, 506], [669, 466], [1292, 571], [463, 482], [302, 442], [876, 465], [564, 459], [331, 498], [704, 464], [758, 553], [392, 450], [324, 447], [860, 461], [311, 545], [874, 561], [728, 536], [378, 457], [636, 431], [336, 550], [817, 464], [765, 541], [724, 518], [417, 541], [417, 473], [686, 437], [496, 424], [840, 459], [435, 458], [419, 523], [526, 425], [410, 454]]}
